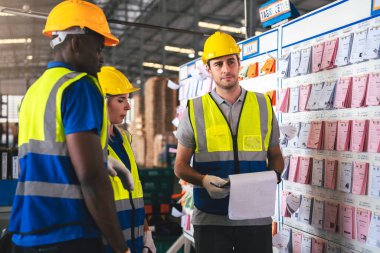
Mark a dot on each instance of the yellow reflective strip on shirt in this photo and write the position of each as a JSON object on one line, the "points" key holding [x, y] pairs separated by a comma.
{"points": [[270, 115], [192, 121]]}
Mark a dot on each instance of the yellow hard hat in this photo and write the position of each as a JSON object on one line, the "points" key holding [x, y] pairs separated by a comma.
{"points": [[219, 44], [74, 13], [113, 82]]}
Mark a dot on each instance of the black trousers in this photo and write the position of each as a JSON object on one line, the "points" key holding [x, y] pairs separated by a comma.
{"points": [[228, 239], [73, 246]]}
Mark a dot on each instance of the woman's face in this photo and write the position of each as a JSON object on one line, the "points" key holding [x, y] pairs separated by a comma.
{"points": [[118, 106]]}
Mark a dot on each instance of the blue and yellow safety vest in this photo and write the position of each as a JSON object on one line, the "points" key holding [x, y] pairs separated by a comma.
{"points": [[48, 195], [218, 152], [129, 205]]}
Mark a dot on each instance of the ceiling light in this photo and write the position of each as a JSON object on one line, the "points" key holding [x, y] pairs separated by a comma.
{"points": [[160, 66], [200, 53], [160, 71], [3, 14], [221, 27], [16, 41], [191, 55], [29, 57], [179, 50]]}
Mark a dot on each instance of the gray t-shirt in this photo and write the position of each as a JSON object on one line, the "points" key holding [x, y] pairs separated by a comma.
{"points": [[185, 136]]}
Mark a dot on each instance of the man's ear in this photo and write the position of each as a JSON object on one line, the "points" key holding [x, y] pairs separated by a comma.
{"points": [[75, 43], [208, 68]]}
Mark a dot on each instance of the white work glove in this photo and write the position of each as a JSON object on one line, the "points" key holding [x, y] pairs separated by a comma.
{"points": [[210, 183], [116, 168], [148, 243]]}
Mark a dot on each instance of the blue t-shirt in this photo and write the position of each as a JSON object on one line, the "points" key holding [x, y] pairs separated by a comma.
{"points": [[82, 110], [116, 143]]}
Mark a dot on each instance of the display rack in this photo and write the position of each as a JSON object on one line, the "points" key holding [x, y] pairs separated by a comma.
{"points": [[327, 24]]}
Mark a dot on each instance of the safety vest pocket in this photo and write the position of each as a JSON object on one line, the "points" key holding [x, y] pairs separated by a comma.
{"points": [[252, 143], [218, 138]]}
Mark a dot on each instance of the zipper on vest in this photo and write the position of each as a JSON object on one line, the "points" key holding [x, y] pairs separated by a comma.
{"points": [[236, 154]]}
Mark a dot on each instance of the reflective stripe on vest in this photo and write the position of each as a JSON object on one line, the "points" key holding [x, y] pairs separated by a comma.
{"points": [[48, 196], [122, 198], [51, 139], [220, 153]]}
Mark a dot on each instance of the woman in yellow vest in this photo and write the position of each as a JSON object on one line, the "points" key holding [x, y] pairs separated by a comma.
{"points": [[122, 165]]}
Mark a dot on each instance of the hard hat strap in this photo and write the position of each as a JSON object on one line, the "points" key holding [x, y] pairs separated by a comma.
{"points": [[62, 35]]}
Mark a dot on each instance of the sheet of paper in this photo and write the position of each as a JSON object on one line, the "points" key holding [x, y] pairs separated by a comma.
{"points": [[282, 240], [293, 202], [373, 136], [359, 178], [331, 216], [326, 99], [305, 209], [317, 172], [316, 58], [358, 46], [374, 191], [285, 172], [363, 219], [315, 135], [329, 54], [295, 58], [306, 244], [303, 135], [348, 221], [317, 246], [343, 52], [260, 203], [359, 89], [330, 135], [283, 66], [344, 176], [317, 214], [284, 211], [315, 94], [304, 96], [304, 67], [297, 241], [283, 102], [343, 135], [293, 169], [292, 143], [373, 89], [372, 43], [342, 93], [304, 170], [330, 174], [294, 97], [373, 238], [358, 135]]}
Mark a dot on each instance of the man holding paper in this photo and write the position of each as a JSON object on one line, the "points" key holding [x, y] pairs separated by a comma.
{"points": [[227, 131]]}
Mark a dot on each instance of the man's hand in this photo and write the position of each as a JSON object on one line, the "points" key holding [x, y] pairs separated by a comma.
{"points": [[116, 168], [148, 243], [213, 186]]}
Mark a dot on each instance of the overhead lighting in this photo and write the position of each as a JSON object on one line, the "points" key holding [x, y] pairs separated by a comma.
{"points": [[160, 71], [29, 57], [160, 66], [224, 28], [191, 55], [3, 14], [200, 53], [16, 41], [180, 50]]}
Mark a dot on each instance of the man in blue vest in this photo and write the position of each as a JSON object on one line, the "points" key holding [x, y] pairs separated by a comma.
{"points": [[227, 131], [64, 199]]}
